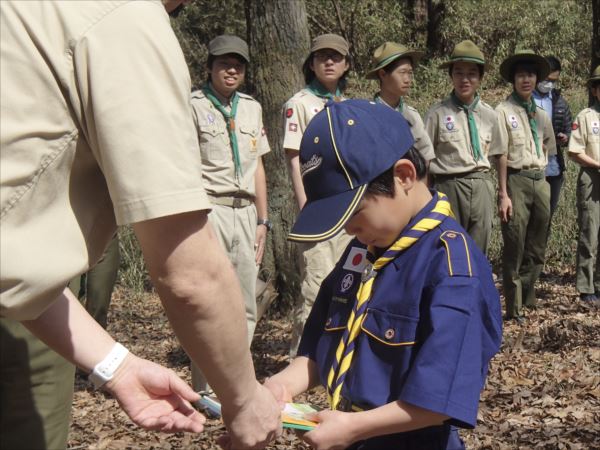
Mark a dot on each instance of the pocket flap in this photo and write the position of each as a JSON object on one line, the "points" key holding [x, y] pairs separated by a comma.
{"points": [[212, 130], [390, 329], [338, 314], [248, 130]]}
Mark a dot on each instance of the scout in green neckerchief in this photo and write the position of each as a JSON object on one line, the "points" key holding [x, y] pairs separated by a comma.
{"points": [[521, 143], [325, 70], [460, 128], [584, 149], [393, 65], [232, 143]]}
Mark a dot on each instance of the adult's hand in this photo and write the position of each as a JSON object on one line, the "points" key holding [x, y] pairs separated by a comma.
{"points": [[505, 209], [154, 397], [254, 424]]}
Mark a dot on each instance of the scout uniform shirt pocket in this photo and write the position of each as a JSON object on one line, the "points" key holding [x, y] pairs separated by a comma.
{"points": [[392, 331], [338, 314], [517, 133], [214, 143], [248, 137]]}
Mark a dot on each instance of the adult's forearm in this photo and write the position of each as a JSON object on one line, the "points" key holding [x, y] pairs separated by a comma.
{"points": [[202, 298], [584, 160], [68, 329]]}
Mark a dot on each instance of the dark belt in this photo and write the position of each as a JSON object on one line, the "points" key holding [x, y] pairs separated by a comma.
{"points": [[231, 201], [483, 175], [533, 174]]}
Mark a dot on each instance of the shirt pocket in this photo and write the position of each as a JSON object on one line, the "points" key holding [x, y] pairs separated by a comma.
{"points": [[390, 330], [214, 143], [249, 140], [337, 315]]}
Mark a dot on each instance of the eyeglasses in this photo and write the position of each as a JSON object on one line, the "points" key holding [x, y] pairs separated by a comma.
{"points": [[323, 56]]}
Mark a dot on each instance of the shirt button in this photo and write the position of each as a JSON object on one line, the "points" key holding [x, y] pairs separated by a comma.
{"points": [[389, 333], [328, 322]]}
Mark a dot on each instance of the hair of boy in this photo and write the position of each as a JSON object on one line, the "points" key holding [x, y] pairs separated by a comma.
{"points": [[309, 74], [528, 67], [554, 63], [384, 183], [479, 66]]}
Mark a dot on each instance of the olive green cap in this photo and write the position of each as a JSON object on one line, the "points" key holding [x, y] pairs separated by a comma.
{"points": [[595, 76], [332, 41], [465, 51], [525, 56], [225, 44], [387, 53]]}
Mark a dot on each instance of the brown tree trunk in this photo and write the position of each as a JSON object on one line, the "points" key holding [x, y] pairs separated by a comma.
{"points": [[435, 13], [279, 41], [595, 59]]}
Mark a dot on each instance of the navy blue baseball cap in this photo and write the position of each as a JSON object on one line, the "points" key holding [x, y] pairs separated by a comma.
{"points": [[345, 147]]}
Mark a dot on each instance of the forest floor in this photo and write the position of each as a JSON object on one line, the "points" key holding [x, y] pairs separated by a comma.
{"points": [[542, 392]]}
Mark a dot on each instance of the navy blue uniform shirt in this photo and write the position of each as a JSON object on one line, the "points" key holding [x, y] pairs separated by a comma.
{"points": [[432, 325]]}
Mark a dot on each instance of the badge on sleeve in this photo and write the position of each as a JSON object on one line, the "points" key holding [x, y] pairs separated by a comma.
{"points": [[513, 121], [262, 131], [575, 126], [289, 113], [356, 260], [293, 127], [449, 120], [595, 127], [316, 110]]}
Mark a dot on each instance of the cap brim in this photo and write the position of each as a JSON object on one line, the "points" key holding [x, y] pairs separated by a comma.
{"points": [[231, 51], [537, 60], [414, 56], [323, 219]]}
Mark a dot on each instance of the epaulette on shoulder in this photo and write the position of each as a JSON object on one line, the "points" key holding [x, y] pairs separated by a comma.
{"points": [[486, 105], [198, 94], [246, 96], [459, 256]]}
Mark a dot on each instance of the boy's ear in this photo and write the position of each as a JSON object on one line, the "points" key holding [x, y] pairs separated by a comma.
{"points": [[405, 173]]}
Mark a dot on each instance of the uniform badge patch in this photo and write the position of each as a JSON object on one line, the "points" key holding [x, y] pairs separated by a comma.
{"points": [[253, 145], [347, 282], [575, 126], [513, 121], [595, 127], [449, 121], [210, 118], [262, 131], [316, 110], [293, 127], [289, 113], [356, 260]]}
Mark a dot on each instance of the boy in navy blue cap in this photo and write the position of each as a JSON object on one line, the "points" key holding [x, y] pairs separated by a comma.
{"points": [[404, 327]]}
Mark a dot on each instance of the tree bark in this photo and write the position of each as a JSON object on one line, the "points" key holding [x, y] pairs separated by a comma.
{"points": [[595, 53], [279, 42]]}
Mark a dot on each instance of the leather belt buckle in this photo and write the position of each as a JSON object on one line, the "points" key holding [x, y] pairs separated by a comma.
{"points": [[237, 202]]}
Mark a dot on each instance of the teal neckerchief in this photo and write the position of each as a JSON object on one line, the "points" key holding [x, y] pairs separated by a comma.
{"points": [[596, 106], [530, 108], [399, 108], [473, 132], [229, 120], [320, 91]]}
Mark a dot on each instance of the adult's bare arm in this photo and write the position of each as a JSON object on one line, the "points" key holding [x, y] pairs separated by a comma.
{"points": [[202, 298]]}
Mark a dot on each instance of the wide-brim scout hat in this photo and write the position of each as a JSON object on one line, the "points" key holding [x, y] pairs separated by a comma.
{"points": [[332, 41], [226, 44], [387, 53], [595, 76], [465, 51], [525, 56], [335, 166]]}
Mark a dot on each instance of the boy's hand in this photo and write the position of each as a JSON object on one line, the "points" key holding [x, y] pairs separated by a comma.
{"points": [[335, 430], [505, 209]]}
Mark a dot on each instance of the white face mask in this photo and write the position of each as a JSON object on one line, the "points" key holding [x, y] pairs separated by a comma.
{"points": [[545, 86]]}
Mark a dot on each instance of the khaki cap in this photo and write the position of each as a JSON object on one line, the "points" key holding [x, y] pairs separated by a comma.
{"points": [[332, 41], [465, 51], [225, 44], [525, 56], [595, 76], [387, 53]]}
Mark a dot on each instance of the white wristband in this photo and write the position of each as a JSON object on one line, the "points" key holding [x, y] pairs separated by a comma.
{"points": [[105, 369]]}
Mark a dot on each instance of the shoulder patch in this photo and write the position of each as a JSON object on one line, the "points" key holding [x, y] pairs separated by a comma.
{"points": [[459, 257]]}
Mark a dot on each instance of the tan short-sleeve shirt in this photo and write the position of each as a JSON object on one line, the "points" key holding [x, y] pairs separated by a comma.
{"points": [[422, 142], [218, 167], [297, 114], [585, 134], [512, 137], [96, 129], [448, 128]]}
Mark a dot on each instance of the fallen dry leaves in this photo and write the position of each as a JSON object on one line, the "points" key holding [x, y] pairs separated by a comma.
{"points": [[543, 389]]}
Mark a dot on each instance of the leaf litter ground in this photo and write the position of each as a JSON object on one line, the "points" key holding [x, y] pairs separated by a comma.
{"points": [[543, 389]]}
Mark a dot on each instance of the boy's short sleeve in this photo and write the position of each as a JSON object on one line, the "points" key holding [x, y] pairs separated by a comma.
{"points": [[449, 368]]}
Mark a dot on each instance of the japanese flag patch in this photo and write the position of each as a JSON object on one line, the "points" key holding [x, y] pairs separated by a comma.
{"points": [[595, 127], [289, 113], [513, 121], [449, 121], [356, 260]]}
